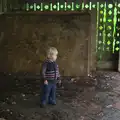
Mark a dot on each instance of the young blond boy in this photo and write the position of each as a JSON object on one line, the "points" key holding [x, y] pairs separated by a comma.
{"points": [[50, 74]]}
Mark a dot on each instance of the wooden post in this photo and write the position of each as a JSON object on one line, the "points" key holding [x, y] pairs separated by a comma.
{"points": [[119, 62], [1, 6]]}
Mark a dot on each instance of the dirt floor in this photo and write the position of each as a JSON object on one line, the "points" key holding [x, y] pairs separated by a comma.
{"points": [[97, 98]]}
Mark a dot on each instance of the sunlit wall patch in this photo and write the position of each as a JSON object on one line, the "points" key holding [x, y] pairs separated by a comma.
{"points": [[109, 27], [100, 29], [117, 35]]}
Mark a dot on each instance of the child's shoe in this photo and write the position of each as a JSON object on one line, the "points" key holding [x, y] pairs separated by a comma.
{"points": [[51, 103], [42, 105]]}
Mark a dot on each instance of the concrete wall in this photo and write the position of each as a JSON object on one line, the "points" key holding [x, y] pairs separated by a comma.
{"points": [[26, 37], [3, 6], [93, 62], [109, 61]]}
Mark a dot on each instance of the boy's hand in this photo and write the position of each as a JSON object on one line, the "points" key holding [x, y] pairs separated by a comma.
{"points": [[59, 81], [46, 82], [59, 84]]}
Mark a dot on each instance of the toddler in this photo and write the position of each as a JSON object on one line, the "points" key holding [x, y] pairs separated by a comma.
{"points": [[50, 74]]}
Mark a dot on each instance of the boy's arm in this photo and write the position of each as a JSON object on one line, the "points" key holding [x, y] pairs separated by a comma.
{"points": [[44, 67], [58, 73]]}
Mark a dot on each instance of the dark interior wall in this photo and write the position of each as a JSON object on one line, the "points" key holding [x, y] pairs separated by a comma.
{"points": [[26, 37]]}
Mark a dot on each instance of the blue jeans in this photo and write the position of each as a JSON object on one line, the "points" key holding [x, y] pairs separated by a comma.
{"points": [[49, 94]]}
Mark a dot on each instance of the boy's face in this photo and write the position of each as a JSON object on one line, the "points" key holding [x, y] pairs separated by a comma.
{"points": [[54, 57]]}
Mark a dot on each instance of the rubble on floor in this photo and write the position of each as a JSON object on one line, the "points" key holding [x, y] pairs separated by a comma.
{"points": [[95, 97]]}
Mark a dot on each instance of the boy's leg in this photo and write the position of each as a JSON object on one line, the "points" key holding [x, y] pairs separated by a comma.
{"points": [[52, 95], [45, 94]]}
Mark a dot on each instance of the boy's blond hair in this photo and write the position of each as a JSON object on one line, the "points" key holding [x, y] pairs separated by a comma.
{"points": [[52, 51]]}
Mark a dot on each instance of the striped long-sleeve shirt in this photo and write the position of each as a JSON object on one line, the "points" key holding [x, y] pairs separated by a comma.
{"points": [[50, 71]]}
